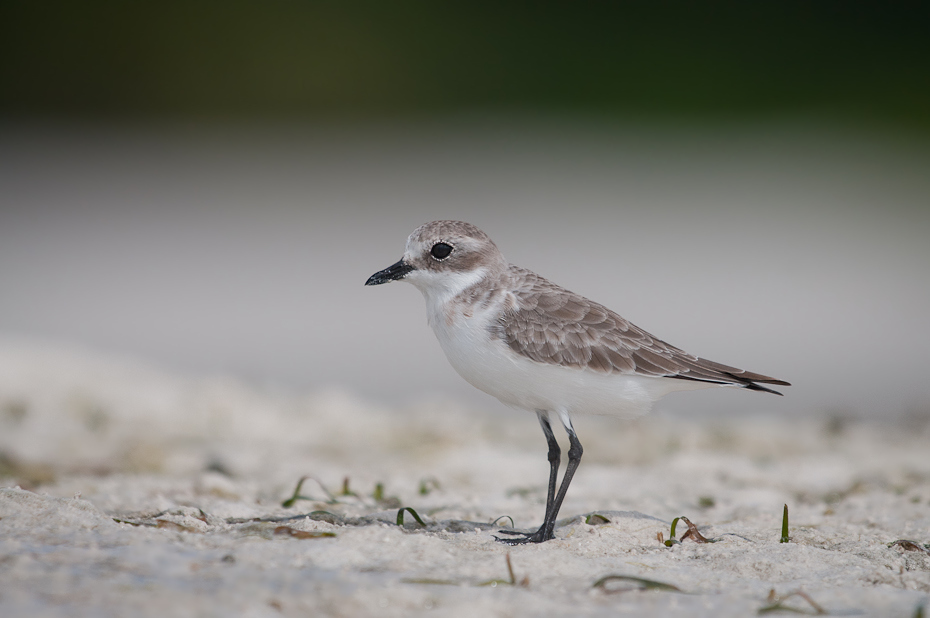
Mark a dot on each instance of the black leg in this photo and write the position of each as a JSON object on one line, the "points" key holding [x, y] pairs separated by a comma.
{"points": [[555, 458], [553, 501], [574, 458]]}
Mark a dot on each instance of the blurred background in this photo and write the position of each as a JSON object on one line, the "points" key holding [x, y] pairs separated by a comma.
{"points": [[206, 186]]}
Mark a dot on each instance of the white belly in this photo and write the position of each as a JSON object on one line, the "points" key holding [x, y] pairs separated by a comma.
{"points": [[491, 366]]}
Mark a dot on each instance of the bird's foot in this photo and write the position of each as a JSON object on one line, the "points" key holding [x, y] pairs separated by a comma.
{"points": [[521, 538]]}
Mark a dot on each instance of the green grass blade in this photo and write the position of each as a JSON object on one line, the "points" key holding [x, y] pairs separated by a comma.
{"points": [[672, 540], [595, 519], [640, 582], [400, 516], [294, 498], [494, 523], [674, 523], [784, 527]]}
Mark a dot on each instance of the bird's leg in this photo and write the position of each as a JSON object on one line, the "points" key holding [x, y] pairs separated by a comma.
{"points": [[574, 458], [555, 458], [553, 501]]}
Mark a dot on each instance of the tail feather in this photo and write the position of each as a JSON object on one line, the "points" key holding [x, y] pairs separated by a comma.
{"points": [[717, 373]]}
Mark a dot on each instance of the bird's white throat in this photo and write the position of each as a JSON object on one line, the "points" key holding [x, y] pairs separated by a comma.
{"points": [[440, 288]]}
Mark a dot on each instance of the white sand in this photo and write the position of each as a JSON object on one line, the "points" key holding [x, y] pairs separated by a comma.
{"points": [[191, 464]]}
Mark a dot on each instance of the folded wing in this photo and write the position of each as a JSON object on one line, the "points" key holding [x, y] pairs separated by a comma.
{"points": [[549, 324]]}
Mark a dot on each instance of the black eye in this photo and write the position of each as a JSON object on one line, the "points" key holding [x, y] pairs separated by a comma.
{"points": [[440, 250]]}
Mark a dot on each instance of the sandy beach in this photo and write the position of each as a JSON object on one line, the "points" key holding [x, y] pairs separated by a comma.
{"points": [[129, 491], [207, 411]]}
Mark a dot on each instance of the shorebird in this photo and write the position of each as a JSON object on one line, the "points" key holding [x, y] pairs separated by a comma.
{"points": [[536, 346]]}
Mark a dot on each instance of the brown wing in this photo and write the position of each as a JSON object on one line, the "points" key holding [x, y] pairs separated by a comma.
{"points": [[549, 324]]}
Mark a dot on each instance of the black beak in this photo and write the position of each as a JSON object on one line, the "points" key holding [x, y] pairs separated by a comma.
{"points": [[391, 273]]}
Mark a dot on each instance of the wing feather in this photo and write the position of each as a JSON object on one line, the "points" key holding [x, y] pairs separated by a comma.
{"points": [[549, 324]]}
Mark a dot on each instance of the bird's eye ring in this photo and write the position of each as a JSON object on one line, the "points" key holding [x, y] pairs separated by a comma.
{"points": [[441, 250]]}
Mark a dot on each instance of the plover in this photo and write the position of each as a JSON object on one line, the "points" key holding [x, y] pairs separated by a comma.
{"points": [[537, 346]]}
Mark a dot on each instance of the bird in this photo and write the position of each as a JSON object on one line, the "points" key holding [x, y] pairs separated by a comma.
{"points": [[536, 346]]}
